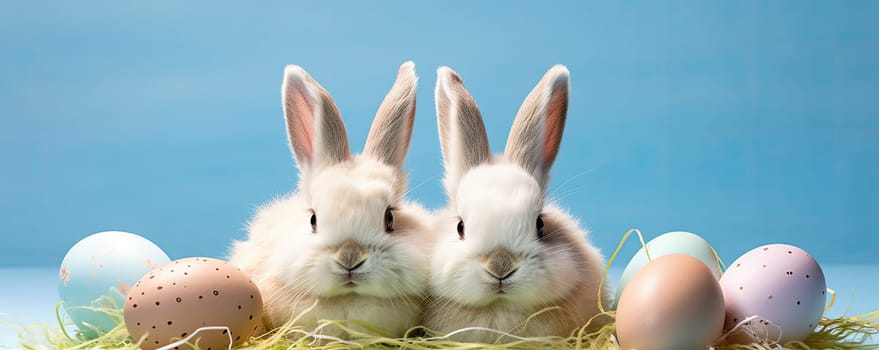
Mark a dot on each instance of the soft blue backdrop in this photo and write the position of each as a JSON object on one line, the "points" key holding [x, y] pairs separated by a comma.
{"points": [[749, 122]]}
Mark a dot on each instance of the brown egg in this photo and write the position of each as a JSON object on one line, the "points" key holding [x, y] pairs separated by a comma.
{"points": [[174, 300], [673, 303]]}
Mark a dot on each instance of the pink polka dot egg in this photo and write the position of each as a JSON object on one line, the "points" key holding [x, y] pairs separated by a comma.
{"points": [[776, 293]]}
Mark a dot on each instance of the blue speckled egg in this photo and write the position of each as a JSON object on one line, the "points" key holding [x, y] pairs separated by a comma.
{"points": [[98, 271]]}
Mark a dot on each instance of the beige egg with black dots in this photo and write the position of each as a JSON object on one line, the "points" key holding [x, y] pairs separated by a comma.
{"points": [[174, 300]]}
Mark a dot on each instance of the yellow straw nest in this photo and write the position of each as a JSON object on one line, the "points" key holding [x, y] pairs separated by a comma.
{"points": [[845, 332]]}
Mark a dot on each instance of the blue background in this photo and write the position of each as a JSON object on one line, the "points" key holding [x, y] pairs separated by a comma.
{"points": [[748, 122]]}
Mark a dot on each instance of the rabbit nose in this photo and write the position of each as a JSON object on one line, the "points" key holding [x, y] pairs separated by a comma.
{"points": [[350, 255], [501, 263]]}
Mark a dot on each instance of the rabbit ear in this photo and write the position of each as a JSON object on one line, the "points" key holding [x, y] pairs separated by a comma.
{"points": [[534, 139], [314, 125], [391, 130], [461, 129]]}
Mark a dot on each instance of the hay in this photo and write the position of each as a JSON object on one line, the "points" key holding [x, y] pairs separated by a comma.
{"points": [[845, 332], [833, 333]]}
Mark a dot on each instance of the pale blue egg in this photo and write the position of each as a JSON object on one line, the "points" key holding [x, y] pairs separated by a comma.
{"points": [[99, 270], [678, 242]]}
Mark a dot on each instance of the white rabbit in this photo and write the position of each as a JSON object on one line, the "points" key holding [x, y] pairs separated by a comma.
{"points": [[502, 253], [345, 239]]}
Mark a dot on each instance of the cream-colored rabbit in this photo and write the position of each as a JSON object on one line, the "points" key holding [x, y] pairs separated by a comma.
{"points": [[345, 240], [502, 252]]}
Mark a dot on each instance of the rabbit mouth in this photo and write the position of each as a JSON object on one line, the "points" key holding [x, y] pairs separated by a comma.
{"points": [[500, 288], [352, 279]]}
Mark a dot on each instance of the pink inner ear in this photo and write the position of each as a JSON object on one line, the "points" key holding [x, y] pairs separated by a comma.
{"points": [[556, 113], [300, 120]]}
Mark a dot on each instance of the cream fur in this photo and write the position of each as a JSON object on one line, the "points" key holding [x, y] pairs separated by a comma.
{"points": [[499, 201], [294, 266]]}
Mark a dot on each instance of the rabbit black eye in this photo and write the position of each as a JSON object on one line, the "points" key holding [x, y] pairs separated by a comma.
{"points": [[313, 222], [461, 229], [389, 220], [539, 227]]}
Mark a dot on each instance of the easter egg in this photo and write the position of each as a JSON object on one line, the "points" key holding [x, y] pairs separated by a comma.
{"points": [[669, 243], [173, 301], [780, 284], [673, 303], [98, 271]]}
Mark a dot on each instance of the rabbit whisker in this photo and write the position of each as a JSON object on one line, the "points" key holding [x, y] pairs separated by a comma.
{"points": [[569, 193], [584, 172], [413, 188]]}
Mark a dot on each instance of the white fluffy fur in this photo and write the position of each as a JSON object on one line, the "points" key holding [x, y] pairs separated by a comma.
{"points": [[499, 201], [294, 266]]}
